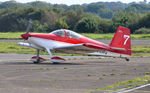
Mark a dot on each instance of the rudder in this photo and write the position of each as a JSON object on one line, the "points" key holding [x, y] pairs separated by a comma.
{"points": [[122, 39]]}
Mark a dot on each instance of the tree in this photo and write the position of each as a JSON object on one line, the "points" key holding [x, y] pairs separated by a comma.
{"points": [[143, 31], [93, 8], [105, 13], [129, 20], [72, 17], [39, 4], [36, 26], [131, 9], [87, 25], [104, 26], [12, 4], [61, 24], [145, 21]]}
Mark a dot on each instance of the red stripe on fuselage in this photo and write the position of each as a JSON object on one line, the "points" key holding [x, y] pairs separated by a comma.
{"points": [[66, 39]]}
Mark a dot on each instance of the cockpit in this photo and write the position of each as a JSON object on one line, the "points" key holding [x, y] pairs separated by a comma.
{"points": [[66, 33], [59, 33]]}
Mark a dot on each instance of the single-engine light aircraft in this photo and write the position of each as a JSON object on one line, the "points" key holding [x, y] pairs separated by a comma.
{"points": [[64, 40]]}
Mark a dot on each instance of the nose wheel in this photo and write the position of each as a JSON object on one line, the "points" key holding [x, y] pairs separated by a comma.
{"points": [[55, 59]]}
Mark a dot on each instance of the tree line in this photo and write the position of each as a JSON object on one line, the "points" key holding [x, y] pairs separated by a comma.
{"points": [[86, 18]]}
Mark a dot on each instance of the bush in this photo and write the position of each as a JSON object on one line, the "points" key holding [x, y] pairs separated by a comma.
{"points": [[143, 31]]}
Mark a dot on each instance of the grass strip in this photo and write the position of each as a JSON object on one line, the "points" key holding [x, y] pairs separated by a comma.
{"points": [[127, 84], [11, 35], [16, 35]]}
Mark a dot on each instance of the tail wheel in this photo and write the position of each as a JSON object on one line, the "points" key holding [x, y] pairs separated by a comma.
{"points": [[127, 59]]}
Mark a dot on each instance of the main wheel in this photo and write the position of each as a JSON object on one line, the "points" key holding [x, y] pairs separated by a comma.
{"points": [[37, 60]]}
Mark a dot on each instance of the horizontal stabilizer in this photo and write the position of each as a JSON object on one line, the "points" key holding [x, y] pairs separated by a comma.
{"points": [[120, 49], [94, 46]]}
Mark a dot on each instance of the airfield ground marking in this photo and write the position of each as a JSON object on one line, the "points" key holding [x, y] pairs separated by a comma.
{"points": [[134, 88]]}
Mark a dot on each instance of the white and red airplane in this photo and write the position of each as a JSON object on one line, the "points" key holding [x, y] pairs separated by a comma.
{"points": [[61, 39]]}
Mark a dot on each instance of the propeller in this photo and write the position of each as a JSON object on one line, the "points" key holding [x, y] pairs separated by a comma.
{"points": [[26, 35], [29, 26]]}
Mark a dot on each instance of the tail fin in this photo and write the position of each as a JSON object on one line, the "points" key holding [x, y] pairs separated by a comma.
{"points": [[122, 40]]}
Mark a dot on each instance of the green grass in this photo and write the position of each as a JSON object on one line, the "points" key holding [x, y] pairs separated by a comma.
{"points": [[124, 74], [11, 35], [140, 50], [125, 84], [140, 54], [16, 35], [112, 74], [140, 36], [11, 47]]}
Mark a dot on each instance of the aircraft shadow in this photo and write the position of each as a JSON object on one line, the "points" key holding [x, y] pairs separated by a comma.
{"points": [[30, 63]]}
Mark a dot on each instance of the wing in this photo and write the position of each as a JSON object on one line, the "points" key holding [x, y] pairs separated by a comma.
{"points": [[67, 46]]}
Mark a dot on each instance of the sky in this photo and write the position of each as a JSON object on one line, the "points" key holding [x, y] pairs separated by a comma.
{"points": [[70, 2]]}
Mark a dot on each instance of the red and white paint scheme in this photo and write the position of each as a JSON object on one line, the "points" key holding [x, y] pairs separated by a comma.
{"points": [[37, 59], [120, 45]]}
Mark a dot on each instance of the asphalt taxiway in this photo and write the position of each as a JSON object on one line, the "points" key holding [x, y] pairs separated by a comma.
{"points": [[79, 74]]}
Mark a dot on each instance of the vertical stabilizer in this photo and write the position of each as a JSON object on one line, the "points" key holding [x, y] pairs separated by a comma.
{"points": [[122, 40]]}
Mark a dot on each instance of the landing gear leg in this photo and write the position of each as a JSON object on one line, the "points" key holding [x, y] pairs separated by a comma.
{"points": [[37, 57], [55, 59], [49, 52]]}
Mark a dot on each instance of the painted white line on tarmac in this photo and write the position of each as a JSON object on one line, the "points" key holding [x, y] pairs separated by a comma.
{"points": [[133, 88]]}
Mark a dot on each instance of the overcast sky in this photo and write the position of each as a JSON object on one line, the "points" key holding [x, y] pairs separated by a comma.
{"points": [[69, 2]]}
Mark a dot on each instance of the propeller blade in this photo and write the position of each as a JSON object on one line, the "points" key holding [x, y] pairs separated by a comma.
{"points": [[29, 26]]}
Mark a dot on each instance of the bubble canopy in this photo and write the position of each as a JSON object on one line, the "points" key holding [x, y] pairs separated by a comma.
{"points": [[66, 33]]}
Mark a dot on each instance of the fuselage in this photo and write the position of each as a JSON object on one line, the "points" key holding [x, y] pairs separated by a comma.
{"points": [[50, 40], [65, 38]]}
